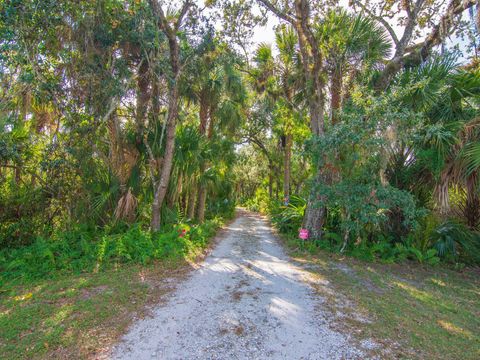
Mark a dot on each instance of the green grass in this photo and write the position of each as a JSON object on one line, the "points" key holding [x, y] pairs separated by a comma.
{"points": [[69, 316], [78, 316], [415, 312]]}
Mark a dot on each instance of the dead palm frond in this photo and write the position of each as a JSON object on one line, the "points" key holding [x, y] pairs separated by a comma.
{"points": [[126, 207], [461, 169], [122, 160]]}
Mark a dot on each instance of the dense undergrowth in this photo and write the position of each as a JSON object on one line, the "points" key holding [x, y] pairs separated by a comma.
{"points": [[87, 250], [72, 294], [430, 241]]}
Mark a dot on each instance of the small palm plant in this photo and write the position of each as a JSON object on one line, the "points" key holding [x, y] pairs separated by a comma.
{"points": [[290, 217], [449, 238]]}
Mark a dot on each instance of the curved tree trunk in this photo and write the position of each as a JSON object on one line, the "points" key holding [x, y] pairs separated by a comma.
{"points": [[167, 163], [170, 32]]}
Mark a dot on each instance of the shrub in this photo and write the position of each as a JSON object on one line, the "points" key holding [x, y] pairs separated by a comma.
{"points": [[80, 250], [288, 218], [260, 203], [453, 240]]}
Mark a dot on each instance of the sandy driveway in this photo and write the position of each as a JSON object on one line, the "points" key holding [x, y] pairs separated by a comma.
{"points": [[247, 301]]}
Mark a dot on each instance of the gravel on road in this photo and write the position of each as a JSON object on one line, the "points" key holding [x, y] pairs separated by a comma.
{"points": [[246, 301]]}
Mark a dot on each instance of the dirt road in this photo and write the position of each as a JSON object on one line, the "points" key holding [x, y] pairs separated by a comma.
{"points": [[247, 301]]}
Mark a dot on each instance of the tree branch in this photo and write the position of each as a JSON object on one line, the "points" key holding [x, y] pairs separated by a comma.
{"points": [[282, 15], [381, 20], [419, 52], [183, 11], [261, 146], [163, 24], [30, 172], [445, 25], [412, 15]]}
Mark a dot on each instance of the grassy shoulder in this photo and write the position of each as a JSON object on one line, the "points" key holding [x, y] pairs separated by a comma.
{"points": [[412, 311], [67, 315]]}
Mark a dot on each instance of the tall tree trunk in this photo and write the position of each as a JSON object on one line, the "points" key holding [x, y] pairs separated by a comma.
{"points": [[286, 166], [173, 104], [18, 173], [270, 181], [312, 63], [192, 196], [179, 190], [205, 116], [202, 197], [155, 99], [315, 211], [211, 123], [336, 94], [277, 186], [143, 96], [184, 200], [25, 108], [472, 203], [176, 189], [167, 163], [312, 66]]}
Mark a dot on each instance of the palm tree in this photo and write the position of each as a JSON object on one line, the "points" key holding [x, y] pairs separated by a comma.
{"points": [[188, 149], [446, 153], [215, 85], [171, 33], [350, 47], [281, 92], [288, 66], [353, 45], [459, 105]]}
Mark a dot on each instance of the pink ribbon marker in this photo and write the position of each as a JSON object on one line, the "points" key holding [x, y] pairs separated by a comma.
{"points": [[303, 234]]}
